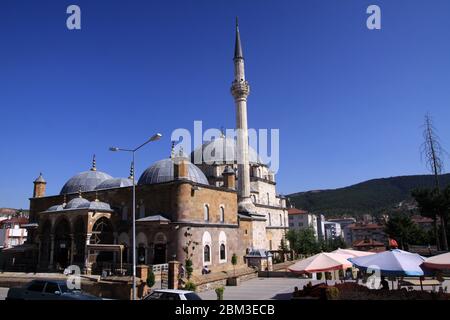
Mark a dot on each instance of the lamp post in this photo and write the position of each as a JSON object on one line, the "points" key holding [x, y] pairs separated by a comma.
{"points": [[155, 137]]}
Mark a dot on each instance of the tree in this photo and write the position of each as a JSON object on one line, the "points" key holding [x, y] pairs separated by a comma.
{"points": [[189, 249], [303, 241], [234, 261], [402, 229], [433, 153], [150, 279]]}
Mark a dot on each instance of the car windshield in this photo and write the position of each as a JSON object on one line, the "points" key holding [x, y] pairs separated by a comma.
{"points": [[192, 296], [65, 288]]}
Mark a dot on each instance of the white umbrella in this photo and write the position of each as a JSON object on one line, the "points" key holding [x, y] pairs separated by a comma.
{"points": [[440, 262], [322, 262], [353, 253]]}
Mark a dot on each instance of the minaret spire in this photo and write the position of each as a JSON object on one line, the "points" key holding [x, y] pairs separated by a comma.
{"points": [[94, 164], [237, 46], [240, 90]]}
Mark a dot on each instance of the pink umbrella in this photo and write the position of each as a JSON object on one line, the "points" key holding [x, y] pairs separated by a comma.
{"points": [[440, 262], [353, 253], [322, 262]]}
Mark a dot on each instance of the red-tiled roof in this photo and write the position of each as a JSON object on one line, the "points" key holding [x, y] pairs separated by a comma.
{"points": [[296, 211], [420, 219], [368, 243], [366, 226], [19, 220]]}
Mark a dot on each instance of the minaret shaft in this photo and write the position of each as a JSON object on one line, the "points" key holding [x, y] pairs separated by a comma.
{"points": [[240, 90]]}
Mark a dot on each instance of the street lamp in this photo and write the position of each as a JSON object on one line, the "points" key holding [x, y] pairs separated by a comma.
{"points": [[155, 137]]}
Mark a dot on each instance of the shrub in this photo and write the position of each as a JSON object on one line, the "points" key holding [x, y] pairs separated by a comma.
{"points": [[189, 268], [150, 279], [332, 293], [190, 286], [219, 292]]}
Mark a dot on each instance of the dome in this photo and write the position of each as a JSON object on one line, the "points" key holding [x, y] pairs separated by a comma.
{"points": [[162, 171], [57, 207], [95, 205], [77, 203], [85, 181], [222, 149], [115, 183]]}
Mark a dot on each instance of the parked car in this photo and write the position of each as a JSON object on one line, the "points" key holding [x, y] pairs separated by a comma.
{"points": [[47, 290], [171, 294]]}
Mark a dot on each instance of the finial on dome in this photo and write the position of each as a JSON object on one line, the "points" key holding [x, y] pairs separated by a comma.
{"points": [[79, 193], [94, 164], [64, 200], [131, 171]]}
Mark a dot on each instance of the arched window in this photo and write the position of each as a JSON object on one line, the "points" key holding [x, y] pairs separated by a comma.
{"points": [[206, 242], [222, 214], [206, 213], [206, 253], [222, 247], [222, 252]]}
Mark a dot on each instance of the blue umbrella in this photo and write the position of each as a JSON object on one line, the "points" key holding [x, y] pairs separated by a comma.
{"points": [[394, 262]]}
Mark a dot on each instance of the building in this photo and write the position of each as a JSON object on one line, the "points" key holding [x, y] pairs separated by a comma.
{"points": [[332, 230], [423, 223], [301, 219], [369, 245], [345, 224], [204, 211], [368, 231], [12, 232]]}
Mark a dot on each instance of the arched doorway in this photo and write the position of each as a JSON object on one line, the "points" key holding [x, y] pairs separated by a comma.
{"points": [[159, 249], [62, 244], [102, 233]]}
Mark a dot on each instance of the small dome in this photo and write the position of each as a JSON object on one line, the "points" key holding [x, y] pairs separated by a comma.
{"points": [[162, 171], [95, 205], [57, 207], [77, 203], [222, 150], [85, 181], [115, 183]]}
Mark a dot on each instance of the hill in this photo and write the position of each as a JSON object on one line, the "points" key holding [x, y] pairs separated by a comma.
{"points": [[368, 197]]}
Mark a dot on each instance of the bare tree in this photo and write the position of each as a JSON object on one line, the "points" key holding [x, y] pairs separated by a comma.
{"points": [[433, 153]]}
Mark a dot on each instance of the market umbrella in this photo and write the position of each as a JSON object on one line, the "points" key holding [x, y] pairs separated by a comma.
{"points": [[394, 262], [321, 262], [439, 262], [353, 253]]}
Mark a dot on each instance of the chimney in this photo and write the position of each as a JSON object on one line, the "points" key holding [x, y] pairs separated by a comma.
{"points": [[39, 187], [229, 178]]}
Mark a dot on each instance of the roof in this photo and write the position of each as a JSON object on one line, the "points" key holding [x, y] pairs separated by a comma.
{"points": [[366, 226], [368, 243], [154, 218], [115, 183], [294, 211], [238, 47], [19, 220], [420, 219], [85, 181], [40, 179]]}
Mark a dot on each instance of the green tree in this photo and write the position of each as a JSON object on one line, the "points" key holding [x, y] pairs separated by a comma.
{"points": [[150, 279], [303, 241], [402, 229]]}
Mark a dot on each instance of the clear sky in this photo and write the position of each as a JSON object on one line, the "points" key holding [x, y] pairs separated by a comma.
{"points": [[349, 102]]}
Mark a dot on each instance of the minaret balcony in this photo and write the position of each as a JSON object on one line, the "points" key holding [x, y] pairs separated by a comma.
{"points": [[240, 89]]}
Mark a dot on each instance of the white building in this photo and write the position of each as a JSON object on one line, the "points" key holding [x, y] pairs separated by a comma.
{"points": [[332, 230], [12, 233], [301, 219]]}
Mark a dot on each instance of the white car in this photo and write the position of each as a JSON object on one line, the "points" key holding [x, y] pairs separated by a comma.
{"points": [[171, 294]]}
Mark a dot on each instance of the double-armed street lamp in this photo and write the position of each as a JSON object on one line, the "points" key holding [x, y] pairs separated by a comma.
{"points": [[155, 137]]}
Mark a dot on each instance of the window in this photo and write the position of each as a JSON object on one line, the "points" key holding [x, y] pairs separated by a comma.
{"points": [[222, 252], [206, 253], [206, 213], [222, 214]]}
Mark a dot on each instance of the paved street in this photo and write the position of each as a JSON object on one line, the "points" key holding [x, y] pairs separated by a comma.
{"points": [[260, 289]]}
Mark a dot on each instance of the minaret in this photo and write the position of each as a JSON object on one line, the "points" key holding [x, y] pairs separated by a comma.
{"points": [[39, 187], [240, 90]]}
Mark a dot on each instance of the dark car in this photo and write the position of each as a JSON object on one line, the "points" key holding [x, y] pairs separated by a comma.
{"points": [[47, 290]]}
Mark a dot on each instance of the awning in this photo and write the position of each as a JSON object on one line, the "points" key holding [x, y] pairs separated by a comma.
{"points": [[439, 262], [321, 262]]}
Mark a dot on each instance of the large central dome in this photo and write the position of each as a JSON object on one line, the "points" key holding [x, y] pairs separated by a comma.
{"points": [[162, 171], [221, 150]]}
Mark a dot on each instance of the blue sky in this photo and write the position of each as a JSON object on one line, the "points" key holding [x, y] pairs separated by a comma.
{"points": [[349, 102]]}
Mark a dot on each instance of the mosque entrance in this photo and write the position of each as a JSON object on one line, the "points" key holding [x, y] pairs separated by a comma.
{"points": [[62, 244], [159, 255]]}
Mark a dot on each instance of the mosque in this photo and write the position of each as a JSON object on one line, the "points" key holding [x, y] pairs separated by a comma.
{"points": [[208, 211]]}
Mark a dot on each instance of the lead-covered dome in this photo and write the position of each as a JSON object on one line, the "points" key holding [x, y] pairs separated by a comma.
{"points": [[221, 150], [115, 183], [162, 171], [85, 181]]}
